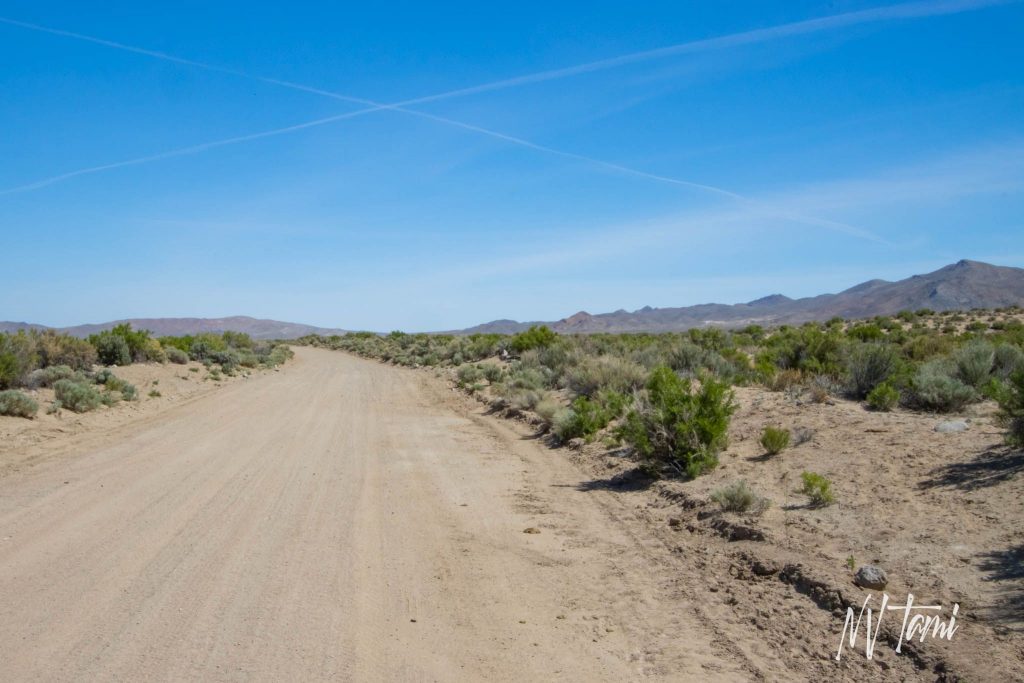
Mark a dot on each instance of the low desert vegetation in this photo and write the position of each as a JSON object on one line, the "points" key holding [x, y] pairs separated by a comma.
{"points": [[817, 488], [883, 397], [774, 440], [33, 360], [17, 404], [677, 426], [667, 397], [738, 497], [1011, 405]]}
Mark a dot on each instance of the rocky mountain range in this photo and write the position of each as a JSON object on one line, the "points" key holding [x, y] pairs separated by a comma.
{"points": [[962, 285]]}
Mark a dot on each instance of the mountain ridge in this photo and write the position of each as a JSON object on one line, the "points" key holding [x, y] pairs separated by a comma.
{"points": [[965, 284], [257, 328]]}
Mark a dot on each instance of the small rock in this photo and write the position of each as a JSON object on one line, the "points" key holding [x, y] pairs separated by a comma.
{"points": [[576, 444], [951, 426], [531, 530], [764, 567], [871, 577], [674, 521]]}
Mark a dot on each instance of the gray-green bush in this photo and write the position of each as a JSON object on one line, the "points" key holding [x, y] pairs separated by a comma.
{"points": [[935, 389], [592, 375], [17, 404], [176, 355], [738, 497], [112, 349], [975, 362], [46, 377], [869, 365], [77, 396]]}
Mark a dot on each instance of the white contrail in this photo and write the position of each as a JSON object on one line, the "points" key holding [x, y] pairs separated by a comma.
{"points": [[183, 151], [912, 10], [904, 11]]}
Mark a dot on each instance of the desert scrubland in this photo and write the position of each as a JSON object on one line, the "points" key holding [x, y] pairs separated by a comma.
{"points": [[525, 507]]}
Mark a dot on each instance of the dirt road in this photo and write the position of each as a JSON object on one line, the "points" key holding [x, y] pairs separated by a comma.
{"points": [[339, 520]]}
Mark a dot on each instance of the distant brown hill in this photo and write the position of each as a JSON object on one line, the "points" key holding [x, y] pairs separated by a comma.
{"points": [[255, 327], [962, 285]]}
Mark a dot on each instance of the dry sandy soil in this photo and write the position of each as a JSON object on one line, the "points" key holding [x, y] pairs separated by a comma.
{"points": [[23, 441], [347, 520]]}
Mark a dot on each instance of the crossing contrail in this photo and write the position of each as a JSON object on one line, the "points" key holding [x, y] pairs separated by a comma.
{"points": [[892, 12]]}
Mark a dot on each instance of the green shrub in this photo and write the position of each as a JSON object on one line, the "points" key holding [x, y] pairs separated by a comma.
{"points": [[18, 357], [738, 497], [868, 366], [934, 389], [533, 338], [63, 349], [883, 398], [774, 440], [200, 350], [121, 345], [152, 351], [818, 489], [77, 396], [16, 404], [927, 346], [111, 349], [585, 418], [1011, 408], [974, 363], [237, 340], [176, 355], [677, 426], [866, 332], [808, 349]]}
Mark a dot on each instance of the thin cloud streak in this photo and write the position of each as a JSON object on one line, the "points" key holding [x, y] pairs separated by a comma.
{"points": [[184, 151], [912, 10], [893, 12]]}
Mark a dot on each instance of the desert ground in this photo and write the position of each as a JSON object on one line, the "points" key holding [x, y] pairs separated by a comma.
{"points": [[343, 519]]}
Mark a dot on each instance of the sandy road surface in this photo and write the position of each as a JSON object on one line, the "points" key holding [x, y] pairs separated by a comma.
{"points": [[339, 520]]}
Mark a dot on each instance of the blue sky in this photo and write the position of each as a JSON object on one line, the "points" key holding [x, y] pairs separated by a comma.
{"points": [[173, 159]]}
